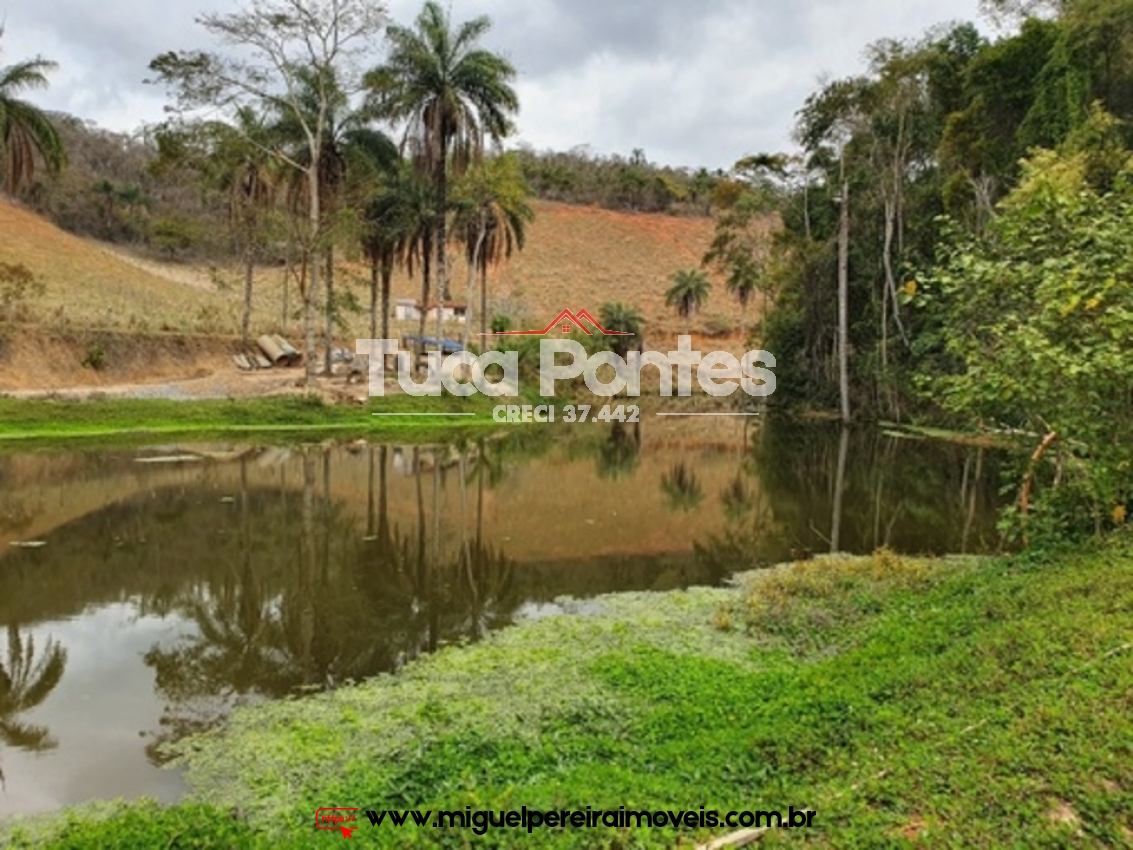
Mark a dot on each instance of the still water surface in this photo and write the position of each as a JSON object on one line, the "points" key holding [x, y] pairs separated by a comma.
{"points": [[145, 592]]}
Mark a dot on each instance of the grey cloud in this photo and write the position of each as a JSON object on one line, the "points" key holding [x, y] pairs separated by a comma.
{"points": [[691, 83]]}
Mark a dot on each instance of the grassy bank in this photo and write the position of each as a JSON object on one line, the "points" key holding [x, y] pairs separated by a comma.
{"points": [[24, 421], [948, 703]]}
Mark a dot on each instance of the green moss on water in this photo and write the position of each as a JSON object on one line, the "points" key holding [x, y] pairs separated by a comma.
{"points": [[26, 422], [965, 703]]}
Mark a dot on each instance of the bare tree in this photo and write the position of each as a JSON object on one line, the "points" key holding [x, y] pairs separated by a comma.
{"points": [[279, 52], [844, 295]]}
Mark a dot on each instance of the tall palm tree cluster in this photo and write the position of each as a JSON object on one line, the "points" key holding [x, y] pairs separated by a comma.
{"points": [[402, 201], [407, 173]]}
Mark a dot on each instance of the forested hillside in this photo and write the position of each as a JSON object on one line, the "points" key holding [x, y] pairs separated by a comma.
{"points": [[961, 211]]}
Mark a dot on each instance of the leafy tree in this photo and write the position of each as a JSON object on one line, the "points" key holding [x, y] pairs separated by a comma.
{"points": [[688, 293], [739, 244], [18, 284], [236, 160], [450, 94], [1035, 319], [26, 133], [284, 51]]}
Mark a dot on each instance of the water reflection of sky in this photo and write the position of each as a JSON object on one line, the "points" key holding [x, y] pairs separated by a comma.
{"points": [[101, 714]]}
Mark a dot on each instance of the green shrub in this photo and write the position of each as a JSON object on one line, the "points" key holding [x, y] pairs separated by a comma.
{"points": [[95, 357]]}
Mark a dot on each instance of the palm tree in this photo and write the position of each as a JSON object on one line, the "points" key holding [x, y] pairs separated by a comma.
{"points": [[249, 181], [624, 319], [492, 218], [449, 93], [26, 132], [388, 228], [682, 486], [688, 293], [25, 684], [420, 232], [619, 455], [742, 282]]}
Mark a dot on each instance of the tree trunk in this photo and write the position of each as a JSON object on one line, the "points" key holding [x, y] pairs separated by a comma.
{"points": [[287, 272], [426, 272], [328, 346], [441, 313], [473, 264], [887, 261], [844, 302], [246, 318], [484, 301], [387, 279], [373, 297], [442, 234], [311, 294]]}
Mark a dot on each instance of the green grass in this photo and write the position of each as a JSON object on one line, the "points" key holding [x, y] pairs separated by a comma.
{"points": [[948, 703], [23, 421]]}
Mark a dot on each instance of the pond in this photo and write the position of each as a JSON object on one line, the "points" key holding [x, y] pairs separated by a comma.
{"points": [[145, 592]]}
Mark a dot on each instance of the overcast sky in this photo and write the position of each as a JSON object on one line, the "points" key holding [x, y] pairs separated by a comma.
{"points": [[692, 82]]}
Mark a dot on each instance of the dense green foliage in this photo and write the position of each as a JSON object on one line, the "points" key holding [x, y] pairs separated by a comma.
{"points": [[632, 183], [948, 703], [988, 276], [1035, 317], [937, 126]]}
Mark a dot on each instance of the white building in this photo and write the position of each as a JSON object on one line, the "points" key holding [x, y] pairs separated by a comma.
{"points": [[408, 310]]}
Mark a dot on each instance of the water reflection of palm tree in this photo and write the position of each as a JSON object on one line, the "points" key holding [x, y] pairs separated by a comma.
{"points": [[488, 470], [291, 613], [25, 682], [238, 650], [683, 488], [490, 597], [619, 455], [737, 498]]}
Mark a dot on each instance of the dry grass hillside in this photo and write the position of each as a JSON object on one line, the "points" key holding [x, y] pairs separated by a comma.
{"points": [[582, 257], [577, 257], [91, 286]]}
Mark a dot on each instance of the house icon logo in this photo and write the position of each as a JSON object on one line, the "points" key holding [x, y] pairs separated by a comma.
{"points": [[568, 321]]}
